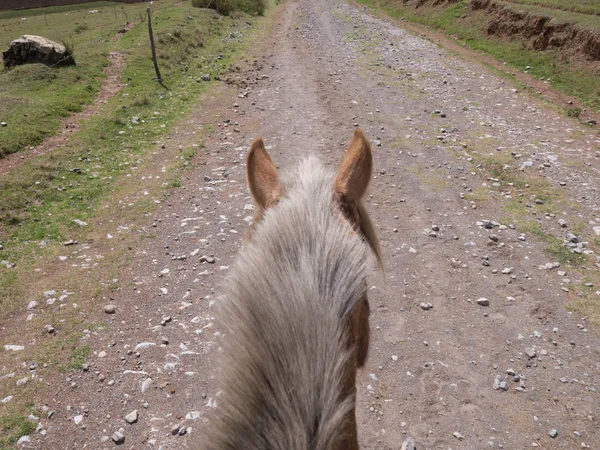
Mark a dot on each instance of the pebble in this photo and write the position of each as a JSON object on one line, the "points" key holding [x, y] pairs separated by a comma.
{"points": [[458, 436], [205, 77], [207, 259], [110, 309], [426, 306], [553, 433], [562, 223], [118, 437], [3, 124], [146, 384], [530, 352], [483, 301], [132, 417]]}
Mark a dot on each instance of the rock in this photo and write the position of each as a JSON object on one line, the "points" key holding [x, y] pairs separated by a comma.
{"points": [[553, 433], [458, 436], [507, 270], [14, 348], [81, 223], [530, 352], [426, 306], [207, 259], [78, 419], [205, 77], [110, 309], [572, 238], [146, 385], [562, 223], [597, 230], [483, 301], [118, 437], [24, 440], [3, 124], [408, 444], [132, 417], [31, 49]]}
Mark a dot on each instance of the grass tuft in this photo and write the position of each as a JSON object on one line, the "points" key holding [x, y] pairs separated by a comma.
{"points": [[12, 427]]}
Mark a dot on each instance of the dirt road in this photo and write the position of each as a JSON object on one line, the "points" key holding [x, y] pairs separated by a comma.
{"points": [[444, 368]]}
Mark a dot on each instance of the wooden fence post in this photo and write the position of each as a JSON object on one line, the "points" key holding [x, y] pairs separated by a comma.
{"points": [[158, 77]]}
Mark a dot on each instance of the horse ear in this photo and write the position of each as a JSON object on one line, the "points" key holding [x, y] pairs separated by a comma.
{"points": [[263, 179], [354, 175]]}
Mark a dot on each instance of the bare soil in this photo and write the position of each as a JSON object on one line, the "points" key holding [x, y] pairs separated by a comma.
{"points": [[432, 115]]}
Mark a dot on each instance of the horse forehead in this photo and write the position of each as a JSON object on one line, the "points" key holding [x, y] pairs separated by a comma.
{"points": [[309, 175]]}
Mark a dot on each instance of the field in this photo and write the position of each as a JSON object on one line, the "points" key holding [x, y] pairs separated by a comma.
{"points": [[580, 6], [22, 4]]}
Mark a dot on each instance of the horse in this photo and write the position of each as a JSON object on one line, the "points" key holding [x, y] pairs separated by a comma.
{"points": [[294, 312]]}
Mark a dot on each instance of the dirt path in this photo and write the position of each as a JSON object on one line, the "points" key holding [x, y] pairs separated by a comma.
{"points": [[432, 372]]}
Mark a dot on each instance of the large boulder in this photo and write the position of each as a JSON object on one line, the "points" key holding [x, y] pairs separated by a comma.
{"points": [[30, 49]]}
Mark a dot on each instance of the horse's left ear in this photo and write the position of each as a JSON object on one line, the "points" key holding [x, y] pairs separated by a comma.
{"points": [[354, 175], [263, 179]]}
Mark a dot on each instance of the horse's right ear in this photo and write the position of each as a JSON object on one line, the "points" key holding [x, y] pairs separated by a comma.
{"points": [[354, 175], [263, 179]]}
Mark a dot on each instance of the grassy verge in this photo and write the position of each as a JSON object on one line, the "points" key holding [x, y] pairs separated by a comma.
{"points": [[98, 177], [471, 28]]}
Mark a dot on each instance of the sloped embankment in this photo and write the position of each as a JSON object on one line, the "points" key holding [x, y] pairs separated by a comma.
{"points": [[542, 32]]}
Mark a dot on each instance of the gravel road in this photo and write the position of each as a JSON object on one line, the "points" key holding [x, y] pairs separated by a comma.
{"points": [[472, 344]]}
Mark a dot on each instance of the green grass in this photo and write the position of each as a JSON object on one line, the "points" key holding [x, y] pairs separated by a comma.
{"points": [[471, 28], [77, 358], [41, 97], [12, 427], [558, 252]]}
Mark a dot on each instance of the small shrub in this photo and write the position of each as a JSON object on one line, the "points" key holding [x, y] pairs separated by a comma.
{"points": [[81, 28], [574, 112]]}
